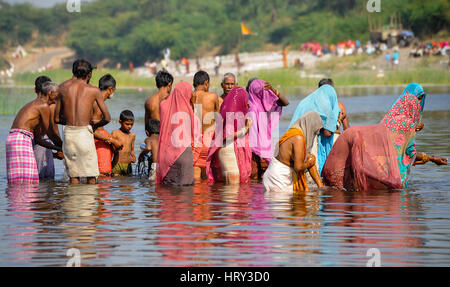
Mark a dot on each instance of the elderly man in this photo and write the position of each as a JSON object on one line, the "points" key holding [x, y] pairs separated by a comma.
{"points": [[31, 122], [228, 83]]}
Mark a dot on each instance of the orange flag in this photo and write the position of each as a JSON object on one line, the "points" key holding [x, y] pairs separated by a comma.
{"points": [[245, 30]]}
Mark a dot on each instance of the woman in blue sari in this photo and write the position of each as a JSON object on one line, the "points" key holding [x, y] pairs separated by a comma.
{"points": [[323, 101]]}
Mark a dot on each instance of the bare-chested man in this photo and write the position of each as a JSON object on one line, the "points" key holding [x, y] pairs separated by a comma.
{"points": [[105, 143], [32, 121], [74, 110], [205, 105], [228, 83], [164, 82], [43, 152]]}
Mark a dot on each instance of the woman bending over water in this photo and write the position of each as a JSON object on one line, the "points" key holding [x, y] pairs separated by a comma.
{"points": [[380, 156]]}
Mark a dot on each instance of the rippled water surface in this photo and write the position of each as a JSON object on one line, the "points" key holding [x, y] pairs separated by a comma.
{"points": [[128, 222]]}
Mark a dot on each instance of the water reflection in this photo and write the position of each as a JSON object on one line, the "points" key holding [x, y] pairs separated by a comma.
{"points": [[387, 220]]}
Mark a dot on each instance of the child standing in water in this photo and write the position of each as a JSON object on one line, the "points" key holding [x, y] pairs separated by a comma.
{"points": [[124, 157]]}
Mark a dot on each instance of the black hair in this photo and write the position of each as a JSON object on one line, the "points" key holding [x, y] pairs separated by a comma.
{"points": [[106, 81], [83, 69], [249, 83], [326, 82], [38, 83], [126, 115], [75, 65], [200, 78], [163, 79]]}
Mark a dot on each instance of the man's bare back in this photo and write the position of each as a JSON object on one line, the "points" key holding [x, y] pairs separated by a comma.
{"points": [[292, 153], [76, 101], [209, 103], [152, 107], [33, 116]]}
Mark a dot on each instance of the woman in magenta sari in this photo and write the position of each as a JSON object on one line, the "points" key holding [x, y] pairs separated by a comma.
{"points": [[380, 156], [229, 157], [265, 111]]}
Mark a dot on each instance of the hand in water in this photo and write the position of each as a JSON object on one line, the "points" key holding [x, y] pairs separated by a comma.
{"points": [[439, 160]]}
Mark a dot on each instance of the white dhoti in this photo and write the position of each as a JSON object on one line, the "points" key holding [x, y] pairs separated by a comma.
{"points": [[278, 177], [79, 152]]}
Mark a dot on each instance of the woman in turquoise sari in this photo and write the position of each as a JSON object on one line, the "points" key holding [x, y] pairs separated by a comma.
{"points": [[323, 101]]}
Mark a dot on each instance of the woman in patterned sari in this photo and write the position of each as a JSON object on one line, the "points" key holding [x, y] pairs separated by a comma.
{"points": [[380, 156]]}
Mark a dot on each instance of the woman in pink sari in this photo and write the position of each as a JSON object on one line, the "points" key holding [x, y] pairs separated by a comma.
{"points": [[229, 157], [380, 157], [175, 161], [265, 111]]}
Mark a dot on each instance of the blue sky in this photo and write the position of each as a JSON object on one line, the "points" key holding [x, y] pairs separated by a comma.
{"points": [[41, 3]]}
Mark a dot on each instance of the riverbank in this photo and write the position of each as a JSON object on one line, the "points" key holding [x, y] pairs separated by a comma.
{"points": [[281, 77]]}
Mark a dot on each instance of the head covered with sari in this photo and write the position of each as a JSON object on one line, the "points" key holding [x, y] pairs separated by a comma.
{"points": [[324, 102], [416, 90], [233, 113], [265, 114], [308, 127], [176, 128], [401, 121], [310, 123]]}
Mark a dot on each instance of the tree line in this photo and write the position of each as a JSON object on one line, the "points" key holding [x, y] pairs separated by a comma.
{"points": [[139, 30]]}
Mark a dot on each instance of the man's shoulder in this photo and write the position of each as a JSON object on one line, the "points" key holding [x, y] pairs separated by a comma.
{"points": [[214, 95], [91, 88]]}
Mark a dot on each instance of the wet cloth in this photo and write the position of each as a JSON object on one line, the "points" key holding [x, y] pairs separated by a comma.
{"points": [[379, 156], [44, 161], [363, 158], [21, 167], [236, 106], [324, 101], [176, 133], [181, 172], [104, 154], [278, 177], [265, 114], [228, 162], [200, 150], [124, 169], [79, 151]]}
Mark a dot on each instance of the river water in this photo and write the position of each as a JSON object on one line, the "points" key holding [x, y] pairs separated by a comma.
{"points": [[128, 222]]}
